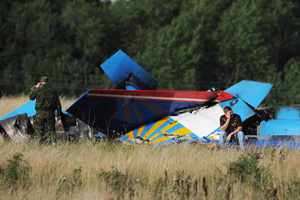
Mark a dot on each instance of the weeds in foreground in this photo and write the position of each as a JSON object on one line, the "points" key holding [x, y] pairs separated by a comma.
{"points": [[16, 173], [247, 169], [158, 173], [182, 185], [68, 185], [118, 183], [123, 186]]}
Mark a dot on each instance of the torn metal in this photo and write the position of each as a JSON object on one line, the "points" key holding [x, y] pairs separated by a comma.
{"points": [[20, 128]]}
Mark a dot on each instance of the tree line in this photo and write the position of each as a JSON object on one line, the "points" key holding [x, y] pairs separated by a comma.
{"points": [[184, 44]]}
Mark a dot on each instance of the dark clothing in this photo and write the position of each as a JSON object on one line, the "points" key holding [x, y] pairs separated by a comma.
{"points": [[45, 119], [47, 101], [234, 123], [46, 98]]}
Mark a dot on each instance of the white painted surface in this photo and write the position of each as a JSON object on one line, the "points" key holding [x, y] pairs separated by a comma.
{"points": [[203, 121]]}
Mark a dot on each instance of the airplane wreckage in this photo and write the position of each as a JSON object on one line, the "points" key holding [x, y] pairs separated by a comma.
{"points": [[134, 112]]}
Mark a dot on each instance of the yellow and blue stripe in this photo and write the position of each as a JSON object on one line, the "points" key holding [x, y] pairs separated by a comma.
{"points": [[164, 131]]}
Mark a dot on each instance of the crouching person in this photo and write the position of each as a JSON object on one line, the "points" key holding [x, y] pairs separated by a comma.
{"points": [[231, 126]]}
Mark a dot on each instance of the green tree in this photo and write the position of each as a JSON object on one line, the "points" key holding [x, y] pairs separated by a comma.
{"points": [[240, 43], [134, 19], [64, 44], [286, 89], [85, 29], [31, 30], [185, 44], [183, 54], [255, 39]]}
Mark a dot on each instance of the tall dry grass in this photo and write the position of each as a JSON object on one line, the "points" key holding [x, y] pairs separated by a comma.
{"points": [[109, 170]]}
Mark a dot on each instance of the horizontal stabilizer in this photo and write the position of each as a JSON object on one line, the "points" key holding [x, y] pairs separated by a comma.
{"points": [[251, 92]]}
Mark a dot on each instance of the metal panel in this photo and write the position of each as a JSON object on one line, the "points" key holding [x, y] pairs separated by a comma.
{"points": [[120, 65], [124, 110], [251, 92], [280, 127], [28, 108]]}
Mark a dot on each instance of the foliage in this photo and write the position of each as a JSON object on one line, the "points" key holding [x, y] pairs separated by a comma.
{"points": [[16, 174], [185, 44], [70, 184], [247, 168], [286, 89], [140, 172], [119, 183], [183, 185]]}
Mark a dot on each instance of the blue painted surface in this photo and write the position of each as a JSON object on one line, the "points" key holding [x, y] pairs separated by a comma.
{"points": [[120, 65], [157, 137], [288, 112], [124, 138], [217, 130], [279, 127], [120, 115], [174, 128], [132, 87], [251, 92], [238, 105], [276, 144], [99, 135], [194, 136], [246, 92], [158, 130], [28, 108], [146, 129]]}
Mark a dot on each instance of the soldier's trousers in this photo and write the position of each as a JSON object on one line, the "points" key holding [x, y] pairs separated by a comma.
{"points": [[45, 120]]}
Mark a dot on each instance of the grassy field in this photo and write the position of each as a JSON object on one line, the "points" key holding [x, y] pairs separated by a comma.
{"points": [[109, 170]]}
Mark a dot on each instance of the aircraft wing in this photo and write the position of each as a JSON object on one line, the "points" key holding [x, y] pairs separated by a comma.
{"points": [[125, 110]]}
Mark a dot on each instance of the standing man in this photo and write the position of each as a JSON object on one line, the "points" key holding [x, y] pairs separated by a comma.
{"points": [[231, 126], [47, 102]]}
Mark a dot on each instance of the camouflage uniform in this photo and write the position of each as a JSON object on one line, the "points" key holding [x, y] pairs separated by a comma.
{"points": [[47, 102]]}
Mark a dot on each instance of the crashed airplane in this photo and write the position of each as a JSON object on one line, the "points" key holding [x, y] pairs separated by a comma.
{"points": [[18, 125], [134, 112]]}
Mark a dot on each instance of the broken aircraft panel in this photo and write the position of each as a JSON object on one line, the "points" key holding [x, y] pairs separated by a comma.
{"points": [[148, 116], [120, 67], [278, 126], [20, 128], [27, 108], [202, 123], [124, 110], [17, 128]]}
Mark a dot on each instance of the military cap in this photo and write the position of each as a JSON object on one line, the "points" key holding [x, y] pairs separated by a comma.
{"points": [[44, 79]]}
